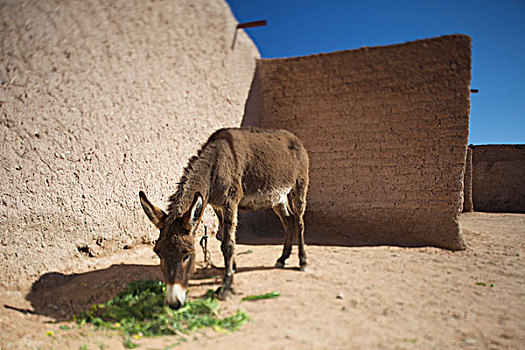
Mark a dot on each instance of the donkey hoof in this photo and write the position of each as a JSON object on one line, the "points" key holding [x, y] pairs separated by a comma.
{"points": [[225, 294], [304, 268], [279, 265]]}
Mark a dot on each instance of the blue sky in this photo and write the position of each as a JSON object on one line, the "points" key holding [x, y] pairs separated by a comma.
{"points": [[497, 28]]}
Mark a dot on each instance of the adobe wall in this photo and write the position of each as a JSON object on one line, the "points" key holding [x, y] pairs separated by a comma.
{"points": [[386, 129], [98, 100], [498, 178]]}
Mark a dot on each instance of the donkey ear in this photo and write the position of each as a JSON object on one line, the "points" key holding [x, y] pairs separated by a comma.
{"points": [[156, 215], [195, 212]]}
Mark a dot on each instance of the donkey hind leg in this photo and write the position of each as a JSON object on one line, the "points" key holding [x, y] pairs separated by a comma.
{"points": [[287, 220], [297, 199], [227, 247], [299, 224]]}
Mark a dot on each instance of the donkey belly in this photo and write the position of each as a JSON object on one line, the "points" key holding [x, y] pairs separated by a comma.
{"points": [[263, 200]]}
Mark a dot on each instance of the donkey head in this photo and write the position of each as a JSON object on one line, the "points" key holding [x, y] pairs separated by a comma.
{"points": [[175, 246]]}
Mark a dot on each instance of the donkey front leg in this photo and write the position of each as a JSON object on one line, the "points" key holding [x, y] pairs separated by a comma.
{"points": [[228, 247]]}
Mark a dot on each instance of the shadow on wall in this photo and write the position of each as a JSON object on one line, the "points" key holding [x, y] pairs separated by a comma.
{"points": [[252, 105]]}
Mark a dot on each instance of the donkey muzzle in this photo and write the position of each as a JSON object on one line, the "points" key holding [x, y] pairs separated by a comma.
{"points": [[175, 295]]}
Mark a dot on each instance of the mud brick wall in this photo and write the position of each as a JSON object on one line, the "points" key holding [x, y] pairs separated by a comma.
{"points": [[98, 100], [498, 178], [386, 129]]}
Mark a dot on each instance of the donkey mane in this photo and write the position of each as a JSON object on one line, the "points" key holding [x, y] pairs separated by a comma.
{"points": [[195, 178], [196, 174], [177, 198], [180, 201]]}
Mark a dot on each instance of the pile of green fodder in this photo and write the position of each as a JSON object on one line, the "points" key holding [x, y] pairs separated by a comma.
{"points": [[139, 310]]}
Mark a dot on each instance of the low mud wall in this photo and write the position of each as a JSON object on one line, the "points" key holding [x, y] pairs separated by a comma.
{"points": [[386, 129], [498, 178], [98, 100]]}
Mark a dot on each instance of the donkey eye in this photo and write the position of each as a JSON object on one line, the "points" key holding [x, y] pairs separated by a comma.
{"points": [[186, 258]]}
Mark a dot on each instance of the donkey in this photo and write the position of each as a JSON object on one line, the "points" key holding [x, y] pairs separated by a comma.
{"points": [[237, 168]]}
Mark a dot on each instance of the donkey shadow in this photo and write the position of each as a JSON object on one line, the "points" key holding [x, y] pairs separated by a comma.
{"points": [[62, 296]]}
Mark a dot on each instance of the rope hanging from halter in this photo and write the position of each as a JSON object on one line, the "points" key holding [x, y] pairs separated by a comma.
{"points": [[204, 245]]}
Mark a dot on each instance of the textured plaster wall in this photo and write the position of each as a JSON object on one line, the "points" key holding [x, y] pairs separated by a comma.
{"points": [[498, 178], [386, 129], [99, 99]]}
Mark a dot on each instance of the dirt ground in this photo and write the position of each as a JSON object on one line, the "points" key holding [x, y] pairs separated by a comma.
{"points": [[351, 297]]}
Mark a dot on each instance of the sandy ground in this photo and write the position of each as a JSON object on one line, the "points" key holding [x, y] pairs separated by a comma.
{"points": [[358, 298]]}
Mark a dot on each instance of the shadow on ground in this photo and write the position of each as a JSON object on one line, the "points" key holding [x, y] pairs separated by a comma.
{"points": [[62, 296], [264, 228]]}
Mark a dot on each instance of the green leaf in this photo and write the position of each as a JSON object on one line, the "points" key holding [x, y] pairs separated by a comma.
{"points": [[261, 296], [140, 310], [129, 344], [249, 251]]}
